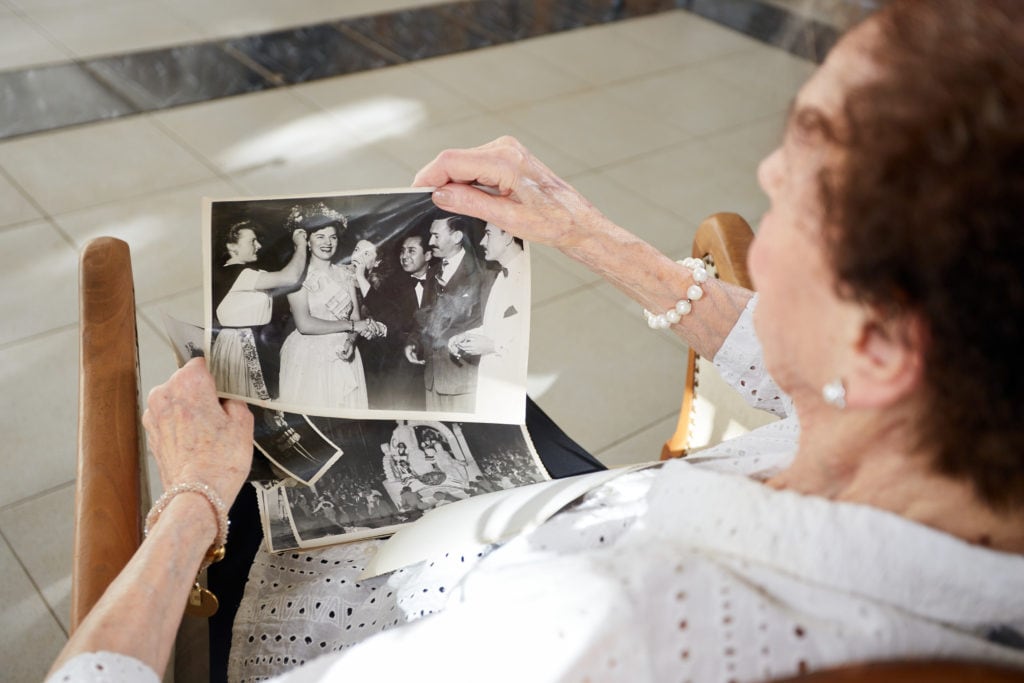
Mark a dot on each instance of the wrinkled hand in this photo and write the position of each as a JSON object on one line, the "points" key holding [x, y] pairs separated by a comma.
{"points": [[526, 198], [471, 344], [196, 438], [410, 355], [299, 238]]}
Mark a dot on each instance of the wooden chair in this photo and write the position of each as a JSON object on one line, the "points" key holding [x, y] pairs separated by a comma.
{"points": [[711, 411], [110, 491], [112, 495]]}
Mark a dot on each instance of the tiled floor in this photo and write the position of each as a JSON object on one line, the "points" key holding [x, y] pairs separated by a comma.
{"points": [[660, 120]]}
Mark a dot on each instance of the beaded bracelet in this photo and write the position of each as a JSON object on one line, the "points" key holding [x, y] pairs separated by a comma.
{"points": [[216, 551], [684, 306]]}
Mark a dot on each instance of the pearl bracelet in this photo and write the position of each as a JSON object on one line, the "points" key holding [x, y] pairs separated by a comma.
{"points": [[216, 551], [683, 306]]}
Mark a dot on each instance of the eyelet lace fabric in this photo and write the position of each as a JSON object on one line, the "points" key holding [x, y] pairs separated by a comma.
{"points": [[691, 571], [740, 361], [103, 667]]}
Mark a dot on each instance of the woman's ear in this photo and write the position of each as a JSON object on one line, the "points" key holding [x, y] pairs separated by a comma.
{"points": [[888, 361]]}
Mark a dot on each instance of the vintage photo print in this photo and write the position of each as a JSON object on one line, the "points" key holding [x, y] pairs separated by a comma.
{"points": [[366, 306], [293, 443], [390, 473]]}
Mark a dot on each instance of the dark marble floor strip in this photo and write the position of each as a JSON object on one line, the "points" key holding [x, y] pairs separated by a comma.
{"points": [[50, 97]]}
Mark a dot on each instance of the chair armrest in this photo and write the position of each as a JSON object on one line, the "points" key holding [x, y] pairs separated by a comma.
{"points": [[108, 493], [722, 240]]}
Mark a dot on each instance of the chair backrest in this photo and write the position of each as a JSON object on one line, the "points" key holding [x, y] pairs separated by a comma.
{"points": [[110, 487]]}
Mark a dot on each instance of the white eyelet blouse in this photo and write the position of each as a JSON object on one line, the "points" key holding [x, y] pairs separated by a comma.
{"points": [[693, 571]]}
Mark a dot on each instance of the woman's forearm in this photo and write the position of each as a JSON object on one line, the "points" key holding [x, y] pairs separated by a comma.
{"points": [[140, 612], [613, 253], [526, 198], [311, 325]]}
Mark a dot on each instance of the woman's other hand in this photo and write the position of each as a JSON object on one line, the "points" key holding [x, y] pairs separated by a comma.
{"points": [[522, 195], [194, 436], [348, 350]]}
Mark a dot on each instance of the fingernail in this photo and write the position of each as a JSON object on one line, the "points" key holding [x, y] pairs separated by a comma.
{"points": [[442, 196]]}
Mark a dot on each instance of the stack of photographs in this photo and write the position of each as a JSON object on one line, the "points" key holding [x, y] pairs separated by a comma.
{"points": [[381, 344]]}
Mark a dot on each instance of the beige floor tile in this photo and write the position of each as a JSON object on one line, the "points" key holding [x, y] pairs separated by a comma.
{"points": [[595, 128], [696, 101], [497, 78], [40, 281], [326, 170], [750, 143], [14, 206], [186, 307], [599, 55], [599, 372], [104, 162], [385, 103], [156, 358], [163, 231], [663, 229], [24, 46], [39, 413], [41, 532], [687, 179], [419, 146], [250, 131], [683, 38], [28, 6], [767, 74], [114, 28], [549, 278], [32, 636], [643, 445]]}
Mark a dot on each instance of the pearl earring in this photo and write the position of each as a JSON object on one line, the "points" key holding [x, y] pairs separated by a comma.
{"points": [[834, 393]]}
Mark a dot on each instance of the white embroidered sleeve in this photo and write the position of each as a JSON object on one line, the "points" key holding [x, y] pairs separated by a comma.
{"points": [[103, 667], [740, 361]]}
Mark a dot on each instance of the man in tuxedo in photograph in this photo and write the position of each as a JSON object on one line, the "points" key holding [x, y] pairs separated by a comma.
{"points": [[393, 382], [457, 286]]}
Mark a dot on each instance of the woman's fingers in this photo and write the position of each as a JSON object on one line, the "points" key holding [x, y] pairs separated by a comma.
{"points": [[195, 437], [498, 165], [472, 201], [503, 184]]}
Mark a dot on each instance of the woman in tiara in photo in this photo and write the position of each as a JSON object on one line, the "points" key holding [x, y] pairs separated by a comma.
{"points": [[320, 364]]}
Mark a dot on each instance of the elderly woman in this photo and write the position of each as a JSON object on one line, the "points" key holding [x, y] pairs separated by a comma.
{"points": [[320, 364], [241, 302], [887, 525]]}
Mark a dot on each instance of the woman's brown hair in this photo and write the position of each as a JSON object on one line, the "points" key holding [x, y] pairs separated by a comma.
{"points": [[926, 216]]}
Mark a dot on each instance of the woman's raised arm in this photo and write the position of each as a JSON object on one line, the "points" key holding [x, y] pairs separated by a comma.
{"points": [[292, 271], [523, 196]]}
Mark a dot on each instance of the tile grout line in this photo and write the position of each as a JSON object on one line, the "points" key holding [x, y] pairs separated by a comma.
{"points": [[636, 432], [31, 580]]}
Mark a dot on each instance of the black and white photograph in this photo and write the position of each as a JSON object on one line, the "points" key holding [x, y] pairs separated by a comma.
{"points": [[366, 306], [393, 471], [186, 339], [293, 443]]}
